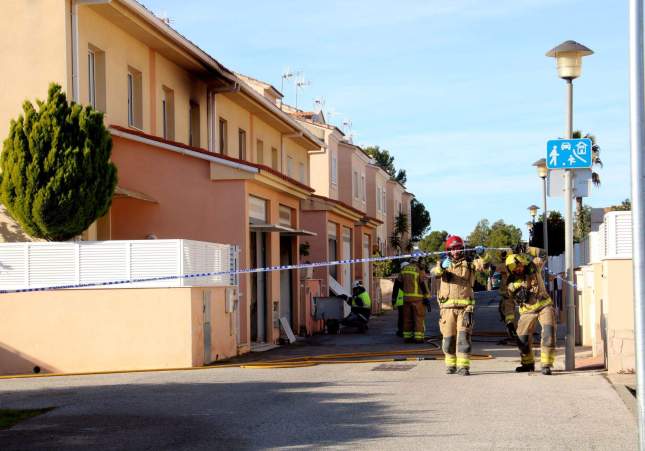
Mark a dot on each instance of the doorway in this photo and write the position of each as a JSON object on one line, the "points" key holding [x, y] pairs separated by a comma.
{"points": [[347, 254], [286, 278], [366, 265], [258, 287]]}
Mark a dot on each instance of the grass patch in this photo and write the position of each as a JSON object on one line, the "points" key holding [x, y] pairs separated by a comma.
{"points": [[10, 417]]}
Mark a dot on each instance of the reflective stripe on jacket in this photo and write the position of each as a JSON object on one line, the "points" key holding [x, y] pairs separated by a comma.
{"points": [[411, 284], [456, 288]]}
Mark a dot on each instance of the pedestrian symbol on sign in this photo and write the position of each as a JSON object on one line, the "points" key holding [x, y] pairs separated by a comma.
{"points": [[568, 153], [553, 156]]}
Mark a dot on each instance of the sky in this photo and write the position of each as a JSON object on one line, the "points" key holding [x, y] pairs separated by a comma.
{"points": [[459, 91]]}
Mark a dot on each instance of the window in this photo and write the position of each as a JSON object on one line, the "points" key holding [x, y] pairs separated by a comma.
{"points": [[274, 158], [355, 184], [378, 198], [257, 210], [301, 172], [285, 215], [332, 248], [384, 199], [194, 125], [259, 151], [363, 187], [289, 167], [91, 75], [223, 136], [241, 144], [135, 98], [334, 169], [168, 113], [96, 77]]}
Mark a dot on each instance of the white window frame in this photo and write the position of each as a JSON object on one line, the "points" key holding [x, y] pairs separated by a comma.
{"points": [[355, 185], [289, 166], [378, 198], [131, 99], [301, 174], [334, 170], [91, 75]]}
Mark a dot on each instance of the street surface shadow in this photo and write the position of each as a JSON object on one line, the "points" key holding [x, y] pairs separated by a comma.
{"points": [[243, 415]]}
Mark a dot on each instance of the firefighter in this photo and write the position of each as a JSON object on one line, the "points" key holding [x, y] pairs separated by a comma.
{"points": [[457, 272], [361, 308], [526, 287], [397, 302], [411, 281], [506, 303]]}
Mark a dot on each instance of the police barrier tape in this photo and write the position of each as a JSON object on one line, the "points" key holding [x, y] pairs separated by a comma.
{"points": [[417, 254]]}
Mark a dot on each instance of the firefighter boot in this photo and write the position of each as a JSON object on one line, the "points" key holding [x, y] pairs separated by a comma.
{"points": [[463, 372], [546, 370], [525, 368], [451, 370]]}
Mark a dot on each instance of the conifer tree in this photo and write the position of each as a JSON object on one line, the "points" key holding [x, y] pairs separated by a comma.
{"points": [[56, 176]]}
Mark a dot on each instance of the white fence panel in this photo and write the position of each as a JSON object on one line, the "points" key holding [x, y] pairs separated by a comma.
{"points": [[104, 260], [37, 265], [13, 265], [619, 234], [155, 258], [52, 264]]}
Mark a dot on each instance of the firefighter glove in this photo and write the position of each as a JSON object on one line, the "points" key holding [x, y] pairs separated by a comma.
{"points": [[468, 320], [445, 264], [522, 295]]}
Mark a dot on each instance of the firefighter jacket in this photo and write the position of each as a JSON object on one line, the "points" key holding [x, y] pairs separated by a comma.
{"points": [[507, 304], [411, 281], [527, 289], [456, 287], [362, 300], [397, 294]]}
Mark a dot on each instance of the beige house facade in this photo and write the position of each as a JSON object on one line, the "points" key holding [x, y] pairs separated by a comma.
{"points": [[200, 154]]}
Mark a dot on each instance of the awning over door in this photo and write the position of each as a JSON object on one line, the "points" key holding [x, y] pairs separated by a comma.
{"points": [[284, 230], [120, 192]]}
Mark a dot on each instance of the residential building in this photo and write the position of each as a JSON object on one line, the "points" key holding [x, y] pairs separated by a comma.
{"points": [[394, 207], [377, 203], [201, 155]]}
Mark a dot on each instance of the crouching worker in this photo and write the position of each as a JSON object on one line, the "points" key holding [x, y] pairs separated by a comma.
{"points": [[361, 306], [526, 287]]}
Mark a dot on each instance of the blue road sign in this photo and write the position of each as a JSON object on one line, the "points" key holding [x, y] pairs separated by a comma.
{"points": [[568, 153]]}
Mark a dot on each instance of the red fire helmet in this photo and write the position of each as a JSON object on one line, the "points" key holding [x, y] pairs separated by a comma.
{"points": [[454, 241]]}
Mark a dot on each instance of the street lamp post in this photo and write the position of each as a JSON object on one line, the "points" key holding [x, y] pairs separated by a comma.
{"points": [[568, 57], [542, 173], [533, 211], [637, 144]]}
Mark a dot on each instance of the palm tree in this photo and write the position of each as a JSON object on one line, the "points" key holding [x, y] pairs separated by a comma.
{"points": [[595, 161]]}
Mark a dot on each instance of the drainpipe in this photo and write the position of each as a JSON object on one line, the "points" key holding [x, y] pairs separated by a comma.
{"points": [[75, 54]]}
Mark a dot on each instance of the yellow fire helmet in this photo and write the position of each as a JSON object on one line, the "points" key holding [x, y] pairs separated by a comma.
{"points": [[512, 260]]}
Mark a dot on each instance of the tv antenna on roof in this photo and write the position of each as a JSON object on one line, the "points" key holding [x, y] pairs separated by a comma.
{"points": [[164, 17], [299, 85], [287, 74], [319, 104], [350, 136]]}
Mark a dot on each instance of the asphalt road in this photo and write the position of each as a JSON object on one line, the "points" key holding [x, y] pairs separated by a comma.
{"points": [[410, 405]]}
